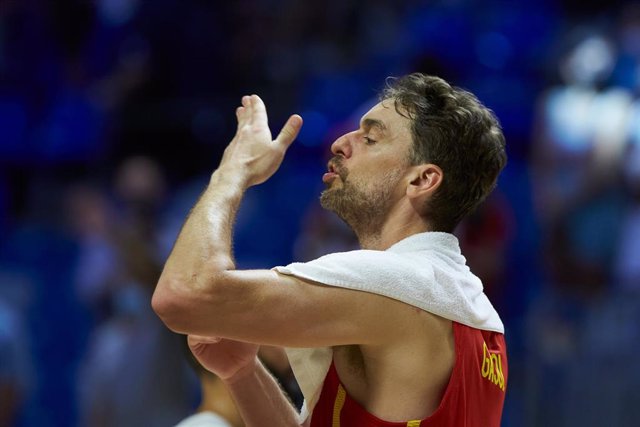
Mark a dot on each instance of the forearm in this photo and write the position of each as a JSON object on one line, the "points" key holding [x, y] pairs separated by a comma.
{"points": [[204, 243], [260, 400]]}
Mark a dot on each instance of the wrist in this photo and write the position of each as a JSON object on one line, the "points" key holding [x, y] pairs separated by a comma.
{"points": [[234, 178], [243, 373]]}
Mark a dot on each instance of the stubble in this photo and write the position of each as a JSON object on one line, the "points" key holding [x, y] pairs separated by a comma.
{"points": [[364, 206]]}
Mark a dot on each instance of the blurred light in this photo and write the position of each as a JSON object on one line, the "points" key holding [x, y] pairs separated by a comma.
{"points": [[567, 116], [634, 123], [314, 128], [581, 119], [590, 62], [609, 119], [631, 164], [493, 50]]}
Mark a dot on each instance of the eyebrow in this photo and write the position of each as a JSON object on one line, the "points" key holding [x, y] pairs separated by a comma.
{"points": [[374, 123]]}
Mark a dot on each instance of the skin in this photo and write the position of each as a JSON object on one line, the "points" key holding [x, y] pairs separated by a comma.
{"points": [[391, 357]]}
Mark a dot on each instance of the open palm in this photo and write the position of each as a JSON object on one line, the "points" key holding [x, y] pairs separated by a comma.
{"points": [[252, 151]]}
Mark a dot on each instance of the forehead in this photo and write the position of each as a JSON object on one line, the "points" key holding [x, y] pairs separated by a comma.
{"points": [[384, 116]]}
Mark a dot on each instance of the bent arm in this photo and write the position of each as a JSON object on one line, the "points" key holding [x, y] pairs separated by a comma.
{"points": [[189, 288], [260, 400], [203, 247]]}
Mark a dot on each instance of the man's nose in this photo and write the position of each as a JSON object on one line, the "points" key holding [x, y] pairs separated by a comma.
{"points": [[342, 146]]}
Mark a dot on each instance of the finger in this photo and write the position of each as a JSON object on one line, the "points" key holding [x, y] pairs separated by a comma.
{"points": [[259, 110], [248, 108], [241, 115], [289, 131]]}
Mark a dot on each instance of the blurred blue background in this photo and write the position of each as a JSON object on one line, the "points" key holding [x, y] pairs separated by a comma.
{"points": [[113, 113]]}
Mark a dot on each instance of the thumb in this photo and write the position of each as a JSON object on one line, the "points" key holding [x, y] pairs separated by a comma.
{"points": [[289, 131]]}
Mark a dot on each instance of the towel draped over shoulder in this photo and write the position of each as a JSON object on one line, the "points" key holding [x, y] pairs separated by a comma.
{"points": [[425, 270]]}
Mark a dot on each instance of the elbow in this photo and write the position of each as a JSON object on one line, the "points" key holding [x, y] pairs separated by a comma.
{"points": [[183, 306], [164, 303], [174, 302], [180, 292]]}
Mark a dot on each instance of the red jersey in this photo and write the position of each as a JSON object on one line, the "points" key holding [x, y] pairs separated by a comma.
{"points": [[473, 398]]}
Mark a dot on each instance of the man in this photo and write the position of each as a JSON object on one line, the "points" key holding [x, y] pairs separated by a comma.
{"points": [[411, 335]]}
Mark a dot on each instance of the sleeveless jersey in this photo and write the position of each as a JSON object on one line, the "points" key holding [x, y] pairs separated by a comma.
{"points": [[474, 396]]}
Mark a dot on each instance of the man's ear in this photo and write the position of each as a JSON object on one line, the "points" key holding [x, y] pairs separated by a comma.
{"points": [[424, 181]]}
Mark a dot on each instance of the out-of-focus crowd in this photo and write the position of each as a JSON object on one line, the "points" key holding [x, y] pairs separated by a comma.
{"points": [[114, 112]]}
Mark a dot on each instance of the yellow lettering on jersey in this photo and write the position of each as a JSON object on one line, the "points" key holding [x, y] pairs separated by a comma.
{"points": [[492, 367], [337, 405]]}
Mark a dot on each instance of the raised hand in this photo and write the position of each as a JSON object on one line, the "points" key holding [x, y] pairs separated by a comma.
{"points": [[223, 357], [252, 152]]}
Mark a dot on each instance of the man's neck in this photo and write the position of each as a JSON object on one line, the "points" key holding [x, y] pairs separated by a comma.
{"points": [[400, 224]]}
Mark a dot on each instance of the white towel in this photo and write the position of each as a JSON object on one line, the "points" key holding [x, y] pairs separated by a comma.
{"points": [[424, 270]]}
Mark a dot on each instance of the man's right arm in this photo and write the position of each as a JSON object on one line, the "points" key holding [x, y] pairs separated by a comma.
{"points": [[260, 400], [258, 397]]}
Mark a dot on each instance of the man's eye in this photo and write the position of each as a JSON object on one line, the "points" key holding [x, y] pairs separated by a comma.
{"points": [[369, 141]]}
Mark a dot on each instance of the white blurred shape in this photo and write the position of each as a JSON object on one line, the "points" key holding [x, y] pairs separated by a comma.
{"points": [[567, 117], [591, 61], [610, 113]]}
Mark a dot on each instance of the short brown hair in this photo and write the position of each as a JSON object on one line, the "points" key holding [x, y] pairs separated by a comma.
{"points": [[452, 129]]}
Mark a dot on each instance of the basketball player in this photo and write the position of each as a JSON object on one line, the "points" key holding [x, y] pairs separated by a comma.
{"points": [[412, 337]]}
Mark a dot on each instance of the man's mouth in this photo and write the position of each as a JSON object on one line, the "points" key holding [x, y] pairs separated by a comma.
{"points": [[332, 172], [329, 176]]}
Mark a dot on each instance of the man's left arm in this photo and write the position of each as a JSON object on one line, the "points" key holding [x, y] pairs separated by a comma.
{"points": [[202, 251], [187, 294], [201, 293]]}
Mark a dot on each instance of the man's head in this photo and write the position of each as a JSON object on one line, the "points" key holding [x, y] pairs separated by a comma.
{"points": [[435, 143], [453, 130]]}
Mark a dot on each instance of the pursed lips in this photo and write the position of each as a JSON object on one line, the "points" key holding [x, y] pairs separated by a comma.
{"points": [[334, 168]]}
